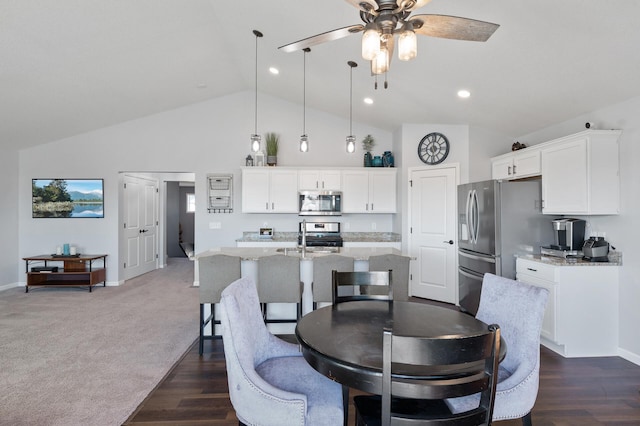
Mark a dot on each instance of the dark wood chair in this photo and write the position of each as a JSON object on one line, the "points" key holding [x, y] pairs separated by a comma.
{"points": [[371, 285], [419, 373]]}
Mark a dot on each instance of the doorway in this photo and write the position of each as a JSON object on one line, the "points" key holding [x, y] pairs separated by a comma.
{"points": [[433, 233]]}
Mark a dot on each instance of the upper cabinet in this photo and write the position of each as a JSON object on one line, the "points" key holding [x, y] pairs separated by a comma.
{"points": [[269, 190], [580, 174], [369, 190], [329, 180], [516, 165]]}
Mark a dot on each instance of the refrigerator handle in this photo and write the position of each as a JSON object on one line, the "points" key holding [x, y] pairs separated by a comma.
{"points": [[488, 259], [472, 276], [467, 216], [476, 217]]}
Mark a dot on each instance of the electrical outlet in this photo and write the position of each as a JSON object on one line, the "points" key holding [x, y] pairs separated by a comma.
{"points": [[373, 226], [215, 225]]}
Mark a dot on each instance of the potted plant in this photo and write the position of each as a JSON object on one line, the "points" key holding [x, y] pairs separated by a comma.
{"points": [[272, 148], [367, 145]]}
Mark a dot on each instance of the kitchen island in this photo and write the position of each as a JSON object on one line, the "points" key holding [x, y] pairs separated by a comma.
{"points": [[249, 268]]}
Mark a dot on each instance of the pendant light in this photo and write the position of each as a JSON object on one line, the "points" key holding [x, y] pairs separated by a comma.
{"points": [[351, 139], [255, 137], [304, 139]]}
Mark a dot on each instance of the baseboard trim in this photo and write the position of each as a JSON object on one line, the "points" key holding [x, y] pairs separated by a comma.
{"points": [[629, 356], [12, 285]]}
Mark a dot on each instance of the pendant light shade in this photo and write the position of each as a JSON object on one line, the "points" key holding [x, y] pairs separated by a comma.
{"points": [[304, 139], [370, 41], [351, 139], [407, 43], [380, 64], [255, 137]]}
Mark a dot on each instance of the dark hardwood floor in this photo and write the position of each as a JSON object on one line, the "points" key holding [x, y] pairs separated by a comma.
{"points": [[578, 391]]}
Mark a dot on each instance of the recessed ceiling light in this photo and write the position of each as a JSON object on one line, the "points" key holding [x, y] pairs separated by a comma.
{"points": [[463, 93], [368, 101], [201, 85], [274, 70]]}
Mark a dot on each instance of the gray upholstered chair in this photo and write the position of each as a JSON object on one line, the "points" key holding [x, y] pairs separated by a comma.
{"points": [[518, 308], [214, 274], [322, 267], [270, 383], [279, 282], [400, 267]]}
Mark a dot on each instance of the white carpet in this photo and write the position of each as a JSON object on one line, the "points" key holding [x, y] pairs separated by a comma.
{"points": [[70, 357]]}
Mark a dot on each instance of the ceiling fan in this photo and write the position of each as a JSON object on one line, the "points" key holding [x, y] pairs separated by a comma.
{"points": [[383, 19]]}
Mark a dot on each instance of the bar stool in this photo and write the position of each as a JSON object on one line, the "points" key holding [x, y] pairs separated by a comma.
{"points": [[279, 282], [216, 272], [400, 267], [322, 267]]}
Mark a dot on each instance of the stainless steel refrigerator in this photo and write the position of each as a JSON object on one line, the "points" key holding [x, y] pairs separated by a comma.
{"points": [[496, 221]]}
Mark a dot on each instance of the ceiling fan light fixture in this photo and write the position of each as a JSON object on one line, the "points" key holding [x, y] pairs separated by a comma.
{"points": [[380, 64], [370, 41], [407, 43]]}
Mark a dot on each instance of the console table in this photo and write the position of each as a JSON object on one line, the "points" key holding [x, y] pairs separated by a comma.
{"points": [[76, 270]]}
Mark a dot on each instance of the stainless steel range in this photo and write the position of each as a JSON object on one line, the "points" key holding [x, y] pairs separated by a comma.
{"points": [[319, 234]]}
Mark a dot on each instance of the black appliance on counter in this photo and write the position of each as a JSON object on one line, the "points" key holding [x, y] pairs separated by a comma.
{"points": [[320, 234], [496, 221]]}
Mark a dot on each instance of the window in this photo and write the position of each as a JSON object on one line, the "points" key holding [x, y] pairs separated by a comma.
{"points": [[191, 203]]}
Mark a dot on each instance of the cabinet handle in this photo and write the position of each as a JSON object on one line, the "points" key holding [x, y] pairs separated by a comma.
{"points": [[514, 169], [367, 207], [266, 206], [509, 170], [273, 206], [532, 270]]}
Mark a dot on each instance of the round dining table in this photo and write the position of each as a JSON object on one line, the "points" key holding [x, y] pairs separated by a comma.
{"points": [[344, 341]]}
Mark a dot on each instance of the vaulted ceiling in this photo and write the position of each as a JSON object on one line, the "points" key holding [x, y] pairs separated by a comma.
{"points": [[71, 66]]}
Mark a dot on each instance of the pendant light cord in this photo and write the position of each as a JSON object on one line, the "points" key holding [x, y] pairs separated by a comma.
{"points": [[304, 91], [350, 100], [257, 34]]}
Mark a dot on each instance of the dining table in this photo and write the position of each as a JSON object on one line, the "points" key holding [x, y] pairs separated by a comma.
{"points": [[344, 341]]}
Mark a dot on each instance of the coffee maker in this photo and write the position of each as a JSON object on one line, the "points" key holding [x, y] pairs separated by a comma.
{"points": [[568, 234]]}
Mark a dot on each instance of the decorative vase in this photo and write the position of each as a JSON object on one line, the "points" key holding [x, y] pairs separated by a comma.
{"points": [[367, 159], [272, 160], [377, 161], [387, 159]]}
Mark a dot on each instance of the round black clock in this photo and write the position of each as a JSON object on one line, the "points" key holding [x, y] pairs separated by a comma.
{"points": [[433, 148]]}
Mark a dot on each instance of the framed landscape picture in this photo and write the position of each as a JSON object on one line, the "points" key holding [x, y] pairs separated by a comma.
{"points": [[67, 198]]}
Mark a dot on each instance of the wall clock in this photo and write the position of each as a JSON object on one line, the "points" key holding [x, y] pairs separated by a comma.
{"points": [[433, 148]]}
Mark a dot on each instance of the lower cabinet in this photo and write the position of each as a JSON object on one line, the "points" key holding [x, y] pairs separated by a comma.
{"points": [[581, 316]]}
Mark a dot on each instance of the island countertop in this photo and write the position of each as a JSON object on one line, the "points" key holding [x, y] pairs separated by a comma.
{"points": [[348, 237], [254, 253]]}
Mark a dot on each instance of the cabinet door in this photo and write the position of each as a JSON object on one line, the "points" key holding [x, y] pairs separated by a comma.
{"points": [[331, 180], [526, 163], [564, 178], [501, 168], [283, 191], [255, 190], [549, 322], [355, 191], [308, 180], [382, 191]]}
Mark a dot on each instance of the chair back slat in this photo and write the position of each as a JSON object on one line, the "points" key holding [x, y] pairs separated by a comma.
{"points": [[371, 285]]}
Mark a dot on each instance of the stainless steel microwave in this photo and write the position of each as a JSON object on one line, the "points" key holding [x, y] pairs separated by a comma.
{"points": [[320, 203]]}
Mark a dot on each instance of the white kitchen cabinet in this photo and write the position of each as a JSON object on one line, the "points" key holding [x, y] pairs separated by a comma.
{"points": [[369, 191], [581, 315], [516, 165], [328, 180], [269, 190], [580, 174]]}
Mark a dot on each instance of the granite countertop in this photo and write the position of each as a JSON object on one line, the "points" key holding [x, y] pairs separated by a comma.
{"points": [[351, 237], [615, 259], [254, 253]]}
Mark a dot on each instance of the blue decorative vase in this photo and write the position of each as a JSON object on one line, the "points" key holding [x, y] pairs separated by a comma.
{"points": [[387, 159], [377, 161], [367, 159]]}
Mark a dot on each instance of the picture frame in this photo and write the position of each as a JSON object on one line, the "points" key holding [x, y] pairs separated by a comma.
{"points": [[67, 198]]}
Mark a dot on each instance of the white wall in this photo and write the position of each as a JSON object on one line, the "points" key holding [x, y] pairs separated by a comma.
{"points": [[9, 219], [210, 137], [621, 230]]}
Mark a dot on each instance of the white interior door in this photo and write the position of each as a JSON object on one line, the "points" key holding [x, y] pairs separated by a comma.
{"points": [[141, 225], [432, 236]]}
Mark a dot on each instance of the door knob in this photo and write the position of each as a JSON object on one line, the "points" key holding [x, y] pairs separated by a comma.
{"points": [[450, 242]]}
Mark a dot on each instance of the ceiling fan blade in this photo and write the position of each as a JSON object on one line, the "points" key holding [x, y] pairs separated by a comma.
{"points": [[322, 38], [453, 27]]}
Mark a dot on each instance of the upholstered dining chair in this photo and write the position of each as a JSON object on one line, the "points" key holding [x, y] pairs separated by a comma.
{"points": [[214, 274], [441, 367], [399, 265], [360, 285], [270, 383], [279, 282], [518, 308], [322, 267]]}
